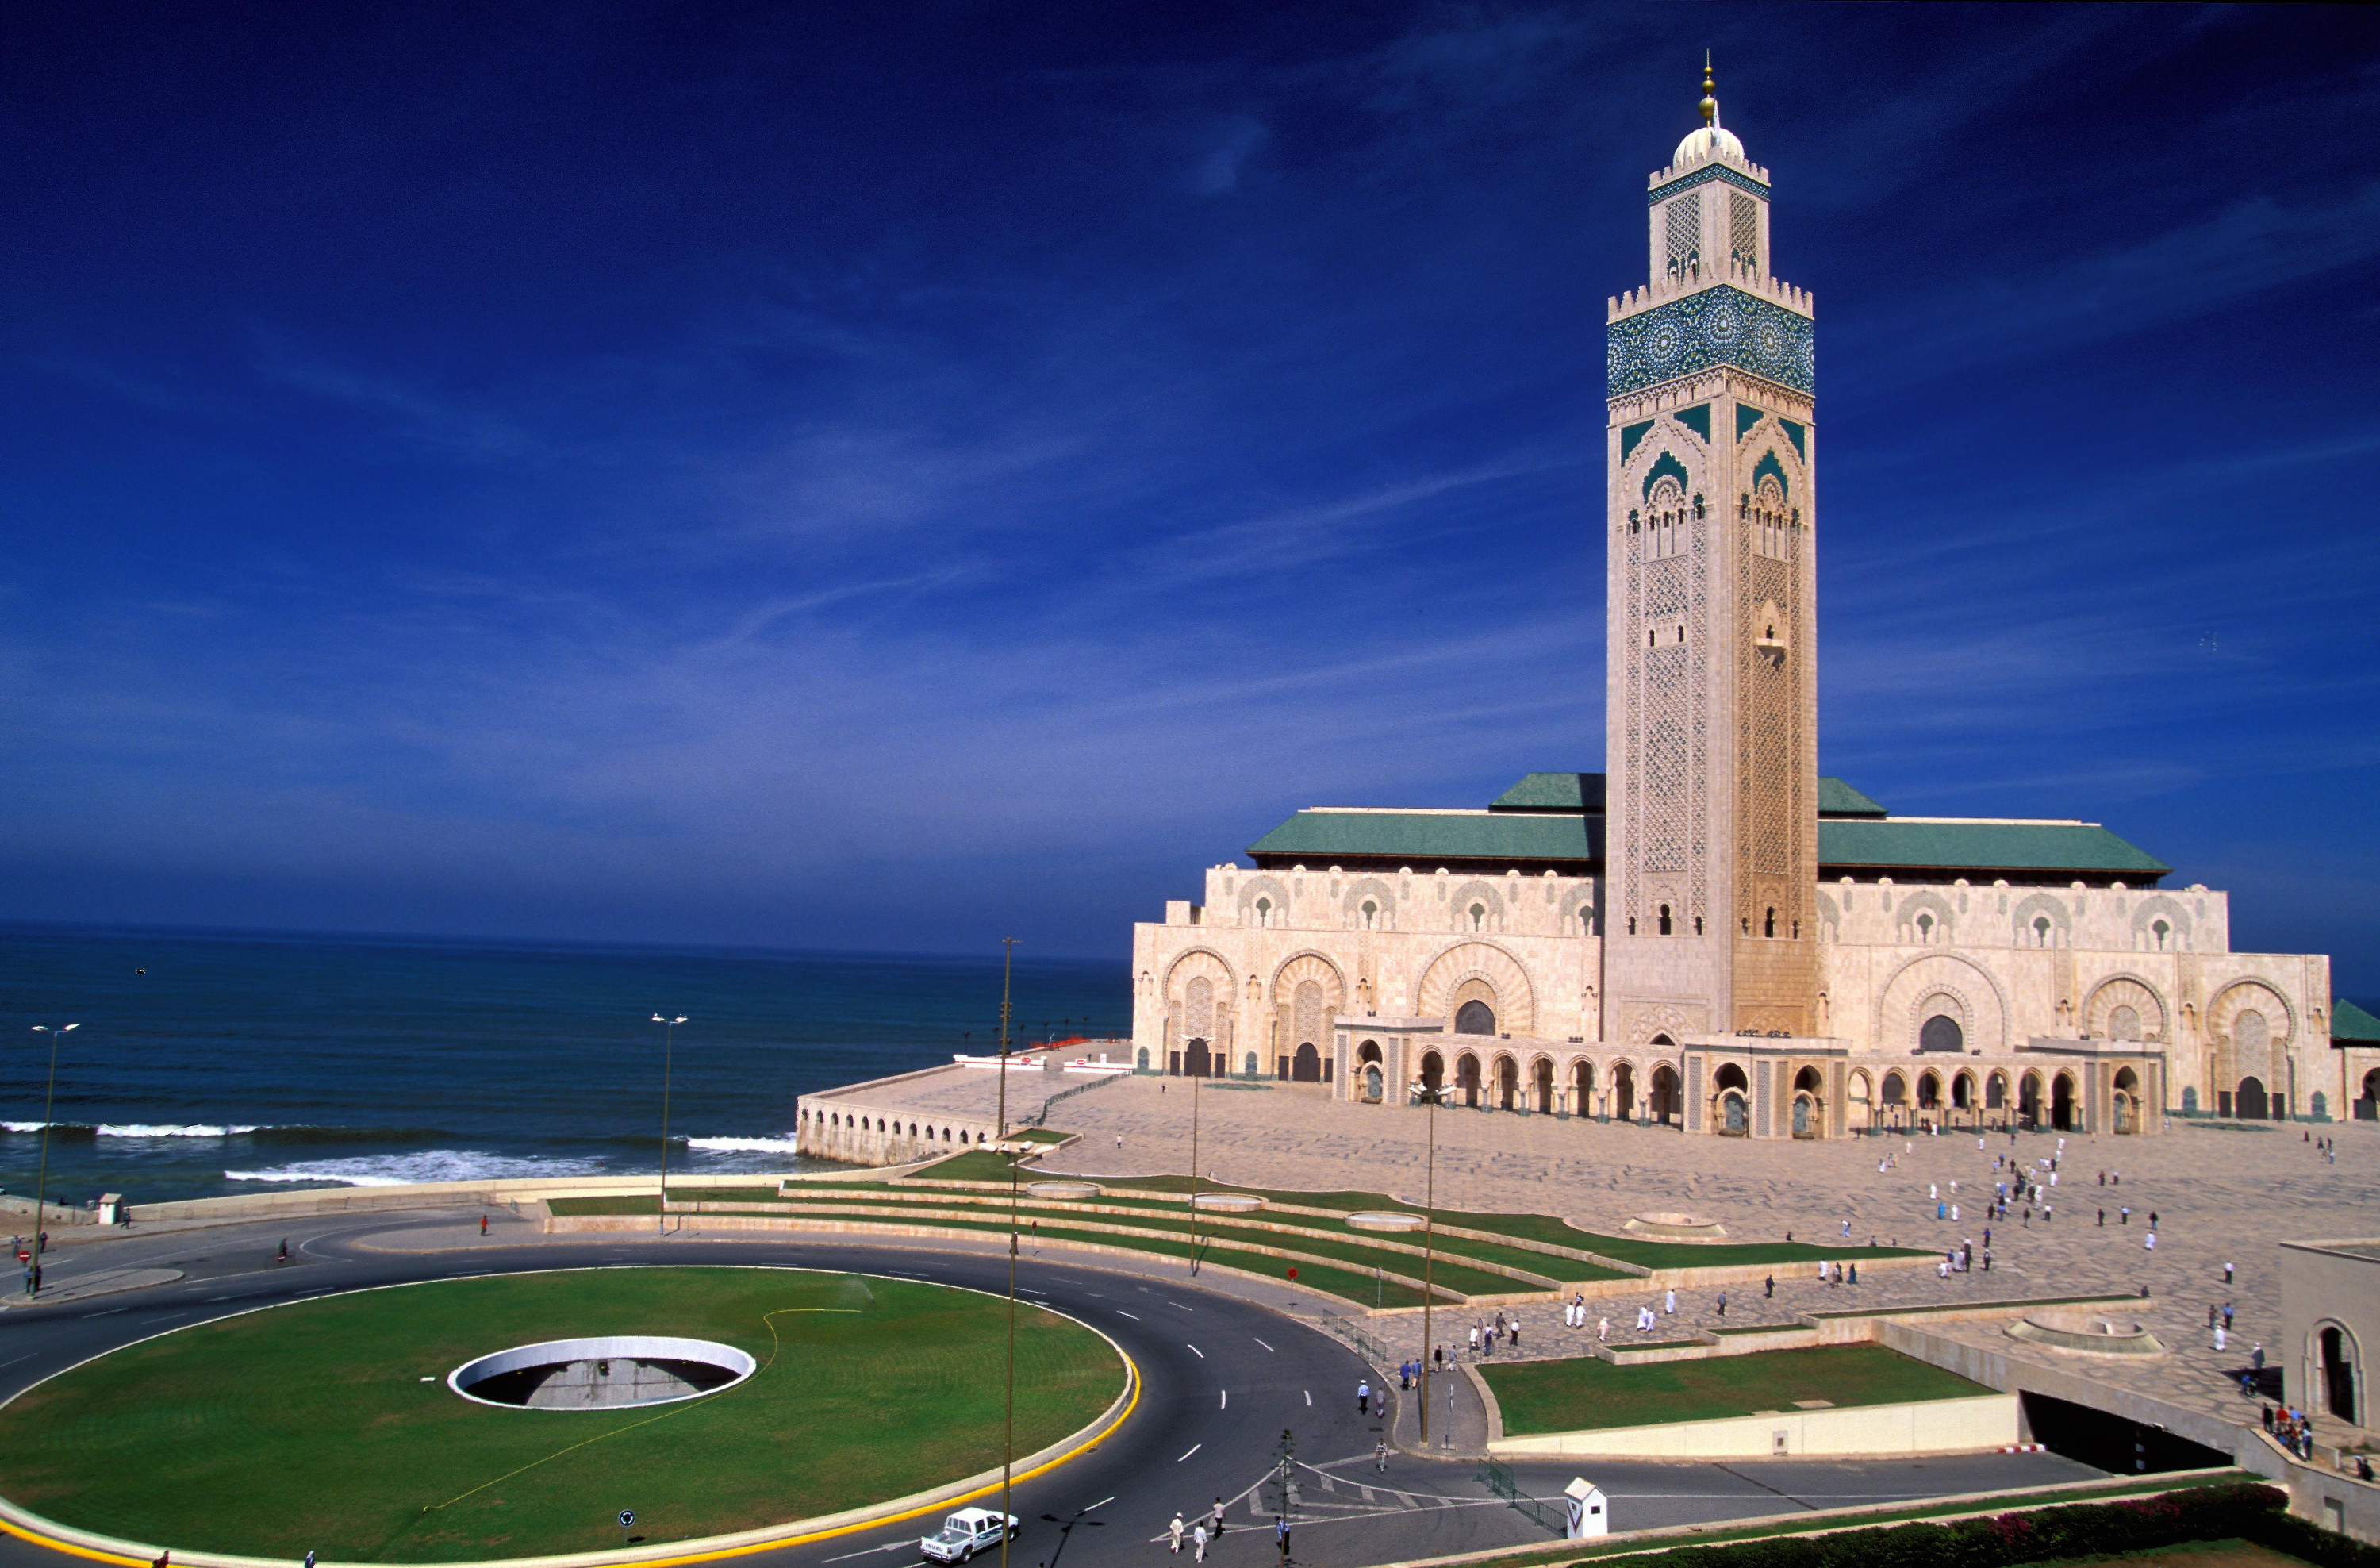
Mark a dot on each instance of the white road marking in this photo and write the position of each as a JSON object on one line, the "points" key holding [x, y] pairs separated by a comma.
{"points": [[1267, 1346], [1194, 1349], [1227, 1399], [888, 1546], [1184, 1308], [212, 1299], [26, 1357], [1101, 1503], [104, 1314], [1309, 1396], [1194, 1447], [1122, 1313]]}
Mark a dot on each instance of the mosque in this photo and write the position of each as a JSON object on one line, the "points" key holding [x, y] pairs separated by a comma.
{"points": [[1712, 935]]}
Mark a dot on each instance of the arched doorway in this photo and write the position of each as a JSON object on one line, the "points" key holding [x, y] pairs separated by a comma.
{"points": [[2253, 1103], [2368, 1108], [2061, 1103], [2128, 1100], [1466, 1077], [1929, 1093], [1433, 1071], [1508, 1083], [1305, 1065], [2337, 1372], [1475, 1019], [1962, 1092], [1624, 1091], [1996, 1092], [1140, 1060], [2028, 1099], [1541, 1087], [1367, 1072], [1808, 1103], [1581, 1089], [1733, 1110], [1249, 1065], [1195, 1062], [1941, 1032], [1894, 1103], [1664, 1094], [1860, 1098]]}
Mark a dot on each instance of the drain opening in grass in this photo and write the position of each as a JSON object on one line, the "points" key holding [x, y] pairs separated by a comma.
{"points": [[610, 1373]]}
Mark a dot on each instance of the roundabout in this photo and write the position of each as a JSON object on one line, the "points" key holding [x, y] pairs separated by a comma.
{"points": [[516, 1415]]}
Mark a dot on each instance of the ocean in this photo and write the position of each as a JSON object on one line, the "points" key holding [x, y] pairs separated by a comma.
{"points": [[209, 1063]]}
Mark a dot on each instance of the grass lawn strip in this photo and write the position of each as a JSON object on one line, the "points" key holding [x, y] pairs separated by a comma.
{"points": [[1584, 1393], [1319, 1245], [1543, 1269], [310, 1425], [1132, 1232], [1645, 1543]]}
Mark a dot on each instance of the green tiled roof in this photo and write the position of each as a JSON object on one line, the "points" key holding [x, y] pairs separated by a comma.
{"points": [[1836, 798], [1887, 843], [1552, 792], [2351, 1023], [1515, 837]]}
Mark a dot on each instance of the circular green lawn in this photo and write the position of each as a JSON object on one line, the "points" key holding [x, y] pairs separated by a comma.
{"points": [[328, 1425]]}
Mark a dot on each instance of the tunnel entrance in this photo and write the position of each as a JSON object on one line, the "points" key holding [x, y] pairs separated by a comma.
{"points": [[2114, 1444]]}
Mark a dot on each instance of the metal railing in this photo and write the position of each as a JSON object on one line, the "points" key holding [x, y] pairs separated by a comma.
{"points": [[1042, 1118], [1498, 1480]]}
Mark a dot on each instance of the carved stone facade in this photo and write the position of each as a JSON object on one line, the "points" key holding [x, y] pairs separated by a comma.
{"points": [[1677, 941]]}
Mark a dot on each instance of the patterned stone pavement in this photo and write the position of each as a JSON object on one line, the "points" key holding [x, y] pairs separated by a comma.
{"points": [[2220, 1196]]}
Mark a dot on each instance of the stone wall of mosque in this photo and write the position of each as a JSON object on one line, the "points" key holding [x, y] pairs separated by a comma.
{"points": [[1280, 972]]}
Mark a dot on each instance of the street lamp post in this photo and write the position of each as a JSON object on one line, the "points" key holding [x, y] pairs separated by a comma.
{"points": [[669, 1038], [1008, 1431], [1430, 1098], [49, 1099]]}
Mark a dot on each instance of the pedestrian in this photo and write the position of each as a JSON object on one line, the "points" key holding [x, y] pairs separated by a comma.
{"points": [[1119, 1140], [1198, 1541], [2153, 1225], [1603, 1332], [1769, 1293], [1941, 1210], [309, 1557], [2256, 1356], [1174, 1531], [2227, 1314], [1364, 1397], [1854, 1280], [1380, 1457], [2148, 1242], [1474, 1339], [1722, 1303], [1670, 1301], [1847, 1230], [1281, 1534], [1987, 1261], [2124, 1214], [2226, 1267], [2103, 1219], [1513, 1333], [2218, 1339], [483, 1230], [1216, 1517]]}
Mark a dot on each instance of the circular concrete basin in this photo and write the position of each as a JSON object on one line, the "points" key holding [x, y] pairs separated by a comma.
{"points": [[1384, 1220], [610, 1373], [1063, 1191], [2086, 1333], [1229, 1202]]}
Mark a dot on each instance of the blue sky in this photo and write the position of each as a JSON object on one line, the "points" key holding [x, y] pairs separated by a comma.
{"points": [[890, 480]]}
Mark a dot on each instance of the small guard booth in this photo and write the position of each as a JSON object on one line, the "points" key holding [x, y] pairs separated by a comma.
{"points": [[1590, 1512]]}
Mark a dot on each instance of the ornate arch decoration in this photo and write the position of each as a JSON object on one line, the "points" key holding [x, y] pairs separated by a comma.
{"points": [[1926, 901], [1196, 960], [1579, 905], [1310, 964], [1485, 894], [1274, 896], [2169, 909], [1372, 891], [2038, 906], [1651, 1022], [1900, 1002], [2240, 995], [1831, 918], [1515, 1003], [2124, 990]]}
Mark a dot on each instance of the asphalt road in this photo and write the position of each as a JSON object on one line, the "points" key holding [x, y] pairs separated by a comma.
{"points": [[1224, 1379]]}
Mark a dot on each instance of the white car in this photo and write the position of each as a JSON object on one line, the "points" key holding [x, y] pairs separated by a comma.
{"points": [[965, 1532]]}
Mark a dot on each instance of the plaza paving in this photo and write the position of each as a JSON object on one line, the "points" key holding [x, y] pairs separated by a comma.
{"points": [[2221, 1195]]}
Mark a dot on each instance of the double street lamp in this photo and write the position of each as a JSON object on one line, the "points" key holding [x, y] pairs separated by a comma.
{"points": [[669, 1037], [42, 1183]]}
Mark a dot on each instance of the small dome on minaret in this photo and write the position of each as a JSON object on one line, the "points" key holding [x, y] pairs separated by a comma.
{"points": [[1712, 140]]}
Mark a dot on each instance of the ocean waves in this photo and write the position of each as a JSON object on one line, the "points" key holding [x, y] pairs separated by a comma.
{"points": [[427, 1165], [257, 1132], [743, 1145]]}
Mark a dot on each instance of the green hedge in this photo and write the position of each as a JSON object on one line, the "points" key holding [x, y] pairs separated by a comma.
{"points": [[2246, 1511]]}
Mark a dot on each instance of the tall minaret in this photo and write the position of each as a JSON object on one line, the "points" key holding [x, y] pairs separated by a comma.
{"points": [[1711, 727]]}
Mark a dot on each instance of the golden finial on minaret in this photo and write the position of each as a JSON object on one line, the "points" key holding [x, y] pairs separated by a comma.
{"points": [[1709, 104]]}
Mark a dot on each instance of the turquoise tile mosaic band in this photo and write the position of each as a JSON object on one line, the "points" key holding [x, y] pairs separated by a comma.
{"points": [[1701, 332], [1720, 172]]}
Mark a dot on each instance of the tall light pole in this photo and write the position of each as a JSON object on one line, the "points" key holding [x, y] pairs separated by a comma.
{"points": [[669, 1038], [1194, 1079], [49, 1098], [1430, 1097], [1008, 1435]]}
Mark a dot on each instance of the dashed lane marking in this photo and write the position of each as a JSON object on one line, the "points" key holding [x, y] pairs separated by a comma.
{"points": [[1122, 1313], [1309, 1396], [1194, 1447], [1267, 1346], [1227, 1399], [111, 1309], [1196, 1351]]}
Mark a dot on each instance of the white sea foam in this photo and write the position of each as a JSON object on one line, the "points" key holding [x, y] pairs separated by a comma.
{"points": [[168, 1130], [744, 1145], [24, 1127], [430, 1165]]}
